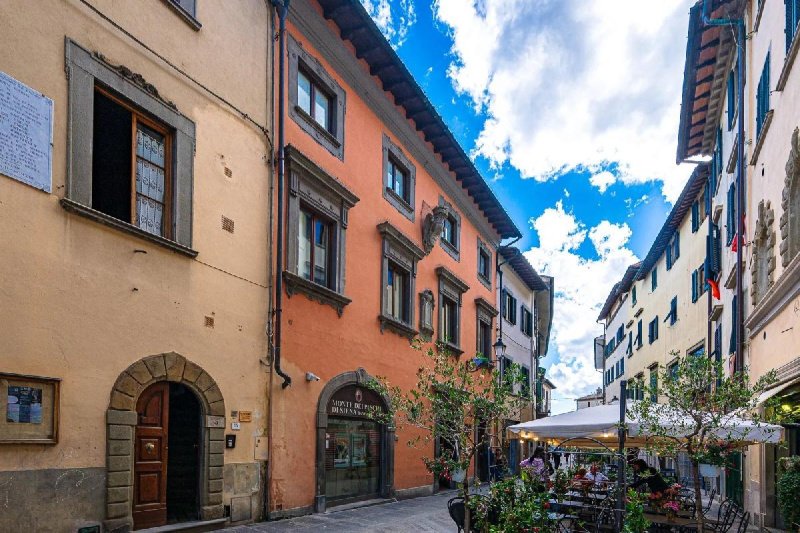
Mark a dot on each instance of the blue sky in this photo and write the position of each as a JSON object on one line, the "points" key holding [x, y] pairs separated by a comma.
{"points": [[570, 110]]}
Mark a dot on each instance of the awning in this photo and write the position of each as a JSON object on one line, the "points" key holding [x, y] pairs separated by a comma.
{"points": [[774, 391], [600, 423]]}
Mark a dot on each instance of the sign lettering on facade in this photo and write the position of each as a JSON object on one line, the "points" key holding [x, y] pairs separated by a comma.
{"points": [[26, 134], [353, 401]]}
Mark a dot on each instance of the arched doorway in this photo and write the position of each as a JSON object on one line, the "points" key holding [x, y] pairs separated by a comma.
{"points": [[165, 450], [355, 453], [166, 455]]}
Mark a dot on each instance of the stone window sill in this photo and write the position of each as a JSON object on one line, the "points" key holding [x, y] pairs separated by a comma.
{"points": [[787, 63], [760, 140], [397, 326], [451, 250], [98, 216], [485, 281], [186, 16], [452, 348], [317, 127], [299, 285], [399, 203]]}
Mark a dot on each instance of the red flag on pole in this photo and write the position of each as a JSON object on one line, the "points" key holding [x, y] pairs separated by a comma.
{"points": [[714, 288], [735, 245]]}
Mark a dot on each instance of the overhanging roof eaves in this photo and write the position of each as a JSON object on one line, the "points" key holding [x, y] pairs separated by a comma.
{"points": [[682, 206], [709, 52], [621, 287], [357, 26], [522, 268]]}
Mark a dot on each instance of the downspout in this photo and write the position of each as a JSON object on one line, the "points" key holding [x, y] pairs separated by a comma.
{"points": [[740, 178], [270, 329], [594, 347], [282, 7]]}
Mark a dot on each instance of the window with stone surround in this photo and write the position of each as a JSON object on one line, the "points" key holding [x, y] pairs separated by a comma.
{"points": [[763, 262], [398, 274], [130, 161], [316, 100], [451, 231], [451, 290], [317, 211], [399, 178], [485, 313], [484, 264]]}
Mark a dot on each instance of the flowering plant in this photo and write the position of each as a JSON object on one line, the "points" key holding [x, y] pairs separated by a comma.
{"points": [[671, 505]]}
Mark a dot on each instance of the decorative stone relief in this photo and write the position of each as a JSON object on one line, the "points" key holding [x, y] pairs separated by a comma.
{"points": [[432, 227], [135, 78], [790, 203], [763, 263]]}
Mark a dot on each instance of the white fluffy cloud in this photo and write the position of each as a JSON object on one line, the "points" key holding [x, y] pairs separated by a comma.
{"points": [[393, 18], [581, 287], [574, 84]]}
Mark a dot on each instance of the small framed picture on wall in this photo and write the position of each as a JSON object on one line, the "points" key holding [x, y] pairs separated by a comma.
{"points": [[28, 409]]}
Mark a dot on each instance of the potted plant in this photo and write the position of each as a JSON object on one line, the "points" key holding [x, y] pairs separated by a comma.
{"points": [[789, 490]]}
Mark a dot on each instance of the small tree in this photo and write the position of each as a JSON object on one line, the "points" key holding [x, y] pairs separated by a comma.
{"points": [[450, 400], [699, 413]]}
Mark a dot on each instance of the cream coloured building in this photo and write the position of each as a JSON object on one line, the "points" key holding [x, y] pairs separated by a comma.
{"points": [[135, 179], [658, 311]]}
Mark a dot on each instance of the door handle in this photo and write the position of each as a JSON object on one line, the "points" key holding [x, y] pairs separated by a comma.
{"points": [[149, 447]]}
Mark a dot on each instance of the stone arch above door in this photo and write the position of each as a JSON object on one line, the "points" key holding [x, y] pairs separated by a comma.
{"points": [[358, 377], [121, 420]]}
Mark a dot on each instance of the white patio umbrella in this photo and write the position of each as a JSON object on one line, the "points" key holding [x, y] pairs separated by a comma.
{"points": [[601, 423]]}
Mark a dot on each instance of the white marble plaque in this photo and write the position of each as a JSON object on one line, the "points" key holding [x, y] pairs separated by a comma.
{"points": [[26, 134]]}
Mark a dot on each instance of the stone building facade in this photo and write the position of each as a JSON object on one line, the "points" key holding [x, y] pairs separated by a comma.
{"points": [[135, 262]]}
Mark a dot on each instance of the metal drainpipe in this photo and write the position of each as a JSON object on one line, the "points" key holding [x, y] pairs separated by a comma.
{"points": [[271, 104], [604, 358], [740, 178], [282, 7]]}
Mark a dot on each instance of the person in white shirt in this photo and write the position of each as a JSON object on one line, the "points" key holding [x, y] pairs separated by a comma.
{"points": [[595, 475]]}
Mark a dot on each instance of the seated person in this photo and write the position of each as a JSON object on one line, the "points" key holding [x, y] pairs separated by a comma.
{"points": [[580, 474], [647, 475], [596, 475]]}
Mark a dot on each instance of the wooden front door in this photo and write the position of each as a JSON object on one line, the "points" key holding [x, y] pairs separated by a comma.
{"points": [[150, 457]]}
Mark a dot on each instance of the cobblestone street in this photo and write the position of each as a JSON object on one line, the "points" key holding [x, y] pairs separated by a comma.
{"points": [[427, 514]]}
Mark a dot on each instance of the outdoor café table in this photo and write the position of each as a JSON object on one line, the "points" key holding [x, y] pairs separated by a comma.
{"points": [[662, 523]]}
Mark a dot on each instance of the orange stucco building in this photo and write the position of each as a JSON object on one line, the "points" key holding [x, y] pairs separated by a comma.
{"points": [[390, 233]]}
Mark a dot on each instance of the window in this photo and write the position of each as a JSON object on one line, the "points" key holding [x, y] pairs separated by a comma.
{"points": [[186, 9], [716, 164], [792, 16], [525, 385], [732, 347], [314, 248], [713, 252], [762, 97], [526, 322], [426, 314], [317, 207], [622, 367], [620, 334], [633, 296], [672, 316], [731, 215], [731, 95], [672, 371], [451, 289], [718, 350], [399, 262], [698, 351], [673, 249], [397, 300], [126, 142], [695, 216], [629, 349], [484, 264], [316, 101], [186, 5], [130, 165], [399, 178], [652, 331], [698, 282], [639, 339], [509, 307], [485, 313], [654, 279], [654, 384], [451, 231]]}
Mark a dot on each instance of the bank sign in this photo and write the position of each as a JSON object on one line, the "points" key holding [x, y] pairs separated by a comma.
{"points": [[354, 401]]}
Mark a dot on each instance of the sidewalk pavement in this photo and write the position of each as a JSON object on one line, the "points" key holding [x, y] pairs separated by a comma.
{"points": [[427, 514]]}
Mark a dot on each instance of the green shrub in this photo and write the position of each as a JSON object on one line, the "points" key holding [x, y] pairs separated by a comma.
{"points": [[789, 490]]}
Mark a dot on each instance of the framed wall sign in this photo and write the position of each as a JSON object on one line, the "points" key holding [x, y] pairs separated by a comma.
{"points": [[28, 409]]}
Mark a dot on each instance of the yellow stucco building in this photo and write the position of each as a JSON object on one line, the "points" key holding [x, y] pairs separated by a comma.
{"points": [[135, 275]]}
